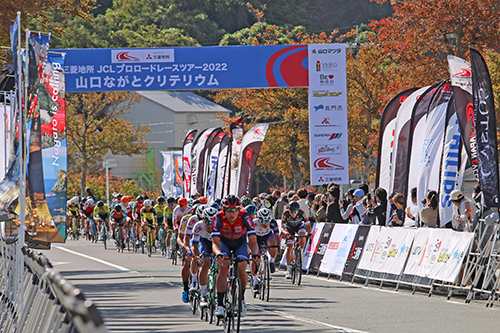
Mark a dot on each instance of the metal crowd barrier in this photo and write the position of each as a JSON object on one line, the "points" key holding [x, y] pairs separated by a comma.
{"points": [[36, 298]]}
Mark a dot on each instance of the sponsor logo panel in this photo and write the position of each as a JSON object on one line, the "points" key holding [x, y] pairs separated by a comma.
{"points": [[142, 55], [328, 149]]}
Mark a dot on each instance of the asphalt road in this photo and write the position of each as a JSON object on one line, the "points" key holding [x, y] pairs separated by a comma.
{"points": [[135, 293]]}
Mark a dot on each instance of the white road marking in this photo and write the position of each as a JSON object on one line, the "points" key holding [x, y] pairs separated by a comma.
{"points": [[59, 263], [305, 320], [121, 268]]}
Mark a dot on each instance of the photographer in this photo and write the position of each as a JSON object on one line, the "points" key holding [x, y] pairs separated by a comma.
{"points": [[319, 207], [333, 213], [398, 214], [429, 214], [380, 210]]}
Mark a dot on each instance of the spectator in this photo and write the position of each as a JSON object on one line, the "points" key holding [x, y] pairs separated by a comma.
{"points": [[89, 193], [380, 209], [412, 211], [302, 193], [275, 197], [309, 202], [365, 188], [319, 207], [367, 204], [462, 212], [358, 210], [429, 214], [398, 215], [257, 202], [477, 196], [279, 206], [295, 198], [333, 213], [290, 195]]}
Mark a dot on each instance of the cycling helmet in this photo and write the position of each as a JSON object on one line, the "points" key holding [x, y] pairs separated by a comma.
{"points": [[91, 202], [264, 214], [215, 205], [199, 211], [84, 200], [190, 201], [90, 197], [203, 200], [140, 198], [171, 200], [251, 209], [74, 200], [231, 201], [160, 200], [131, 204], [195, 203], [118, 208], [126, 199], [183, 201], [294, 206], [148, 203], [119, 196], [245, 201], [100, 204], [208, 215]]}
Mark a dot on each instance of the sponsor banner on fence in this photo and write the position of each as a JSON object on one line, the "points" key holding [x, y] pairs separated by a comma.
{"points": [[356, 249], [328, 114], [445, 253], [338, 249], [311, 244], [321, 247], [414, 265], [370, 247]]}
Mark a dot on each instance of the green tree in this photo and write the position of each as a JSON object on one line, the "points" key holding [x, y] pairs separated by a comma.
{"points": [[94, 127]]}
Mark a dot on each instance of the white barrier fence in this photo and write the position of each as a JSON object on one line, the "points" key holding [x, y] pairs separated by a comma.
{"points": [[36, 298]]}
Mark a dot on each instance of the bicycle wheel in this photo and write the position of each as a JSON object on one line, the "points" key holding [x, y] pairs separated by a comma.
{"points": [[298, 266], [237, 300], [294, 263], [263, 279], [211, 297], [149, 245], [194, 300], [267, 280], [104, 234]]}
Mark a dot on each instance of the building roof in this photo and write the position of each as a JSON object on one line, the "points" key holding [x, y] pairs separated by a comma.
{"points": [[182, 101]]}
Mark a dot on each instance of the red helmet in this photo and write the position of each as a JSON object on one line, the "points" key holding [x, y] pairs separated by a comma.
{"points": [[231, 201], [182, 201], [203, 200]]}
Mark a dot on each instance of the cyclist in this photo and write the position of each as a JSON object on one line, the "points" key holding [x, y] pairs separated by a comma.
{"points": [[252, 210], [116, 201], [101, 214], [159, 209], [117, 219], [266, 229], [87, 211], [148, 218], [73, 213], [198, 216], [203, 200], [136, 215], [230, 229], [202, 242], [294, 222], [167, 215], [180, 211], [246, 201], [187, 254]]}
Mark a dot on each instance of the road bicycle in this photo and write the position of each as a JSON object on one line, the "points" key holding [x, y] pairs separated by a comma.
{"points": [[104, 233], [297, 260], [149, 240], [209, 311], [93, 231], [233, 298], [120, 245], [264, 274], [161, 241], [174, 249], [74, 231]]}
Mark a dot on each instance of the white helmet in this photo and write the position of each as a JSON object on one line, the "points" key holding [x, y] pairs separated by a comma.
{"points": [[199, 211], [208, 214], [264, 214], [148, 203]]}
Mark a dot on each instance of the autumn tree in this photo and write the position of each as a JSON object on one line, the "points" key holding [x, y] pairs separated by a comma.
{"points": [[94, 126], [421, 33]]}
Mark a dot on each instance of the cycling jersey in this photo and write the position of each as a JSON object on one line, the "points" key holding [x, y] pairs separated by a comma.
{"points": [[224, 229], [179, 214], [294, 221], [189, 228], [115, 215], [72, 207], [168, 212], [159, 211], [200, 231], [102, 211], [88, 208], [137, 209], [263, 231], [184, 222], [148, 215]]}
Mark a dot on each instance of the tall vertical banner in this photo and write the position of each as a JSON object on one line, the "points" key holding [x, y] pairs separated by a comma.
{"points": [[205, 160], [250, 149], [234, 160], [197, 168], [461, 84], [430, 158], [386, 138], [486, 129], [187, 161], [167, 184], [329, 160], [214, 164], [221, 167], [177, 173]]}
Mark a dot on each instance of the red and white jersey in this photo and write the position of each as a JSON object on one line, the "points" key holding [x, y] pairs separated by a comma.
{"points": [[190, 225], [200, 230], [179, 214]]}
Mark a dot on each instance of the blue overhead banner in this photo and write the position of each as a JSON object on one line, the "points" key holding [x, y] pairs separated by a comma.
{"points": [[186, 68]]}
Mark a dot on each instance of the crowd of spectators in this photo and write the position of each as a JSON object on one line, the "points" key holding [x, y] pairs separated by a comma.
{"points": [[362, 206]]}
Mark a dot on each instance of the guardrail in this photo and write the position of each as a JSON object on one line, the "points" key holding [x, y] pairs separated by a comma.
{"points": [[36, 298]]}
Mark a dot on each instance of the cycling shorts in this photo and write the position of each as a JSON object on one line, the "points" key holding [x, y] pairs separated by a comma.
{"points": [[87, 214], [74, 213], [159, 220], [296, 229], [118, 220], [239, 248], [170, 225], [205, 245], [103, 217]]}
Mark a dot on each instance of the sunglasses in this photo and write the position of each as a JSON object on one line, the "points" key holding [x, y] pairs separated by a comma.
{"points": [[264, 221], [231, 210], [294, 212]]}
